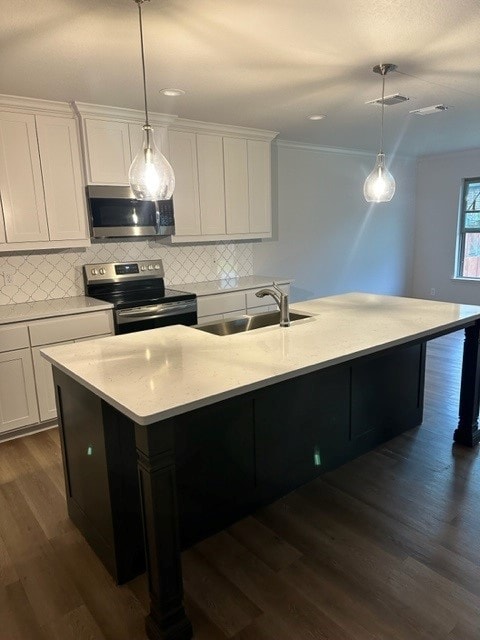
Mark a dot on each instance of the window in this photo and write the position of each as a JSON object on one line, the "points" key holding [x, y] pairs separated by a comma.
{"points": [[468, 263]]}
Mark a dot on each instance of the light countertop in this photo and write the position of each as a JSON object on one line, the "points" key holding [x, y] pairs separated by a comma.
{"points": [[151, 375], [25, 311], [208, 288]]}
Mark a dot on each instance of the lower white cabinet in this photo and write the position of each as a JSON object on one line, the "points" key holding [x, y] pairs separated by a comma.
{"points": [[27, 393], [18, 405], [223, 306], [45, 387]]}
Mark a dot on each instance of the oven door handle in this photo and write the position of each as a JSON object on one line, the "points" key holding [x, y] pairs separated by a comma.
{"points": [[155, 311]]}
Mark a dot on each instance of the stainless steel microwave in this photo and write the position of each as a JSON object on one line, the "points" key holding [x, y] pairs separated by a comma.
{"points": [[115, 213]]}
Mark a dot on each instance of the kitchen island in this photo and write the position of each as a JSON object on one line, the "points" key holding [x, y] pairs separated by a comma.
{"points": [[223, 424]]}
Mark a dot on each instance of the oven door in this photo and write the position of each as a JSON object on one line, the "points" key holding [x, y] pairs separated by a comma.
{"points": [[114, 213], [156, 315]]}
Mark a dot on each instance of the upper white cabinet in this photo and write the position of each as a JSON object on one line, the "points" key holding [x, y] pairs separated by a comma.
{"points": [[62, 178], [259, 187], [41, 181], [186, 202], [112, 137], [222, 182], [236, 185], [21, 183], [211, 183], [107, 145]]}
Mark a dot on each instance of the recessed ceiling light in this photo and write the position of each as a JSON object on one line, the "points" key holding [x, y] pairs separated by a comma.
{"points": [[172, 92], [317, 117]]}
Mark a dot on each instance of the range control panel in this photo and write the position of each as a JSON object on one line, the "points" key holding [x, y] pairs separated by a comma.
{"points": [[119, 271]]}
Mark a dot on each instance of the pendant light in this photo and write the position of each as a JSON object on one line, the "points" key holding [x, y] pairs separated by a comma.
{"points": [[151, 175], [380, 184]]}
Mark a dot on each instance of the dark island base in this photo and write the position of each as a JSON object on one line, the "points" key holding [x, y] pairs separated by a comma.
{"points": [[189, 476]]}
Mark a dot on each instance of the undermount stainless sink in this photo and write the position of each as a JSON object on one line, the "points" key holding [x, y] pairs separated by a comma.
{"points": [[247, 323]]}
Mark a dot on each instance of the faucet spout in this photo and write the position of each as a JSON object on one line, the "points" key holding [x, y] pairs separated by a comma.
{"points": [[281, 299]]}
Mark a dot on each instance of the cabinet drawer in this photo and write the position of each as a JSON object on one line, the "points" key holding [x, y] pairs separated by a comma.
{"points": [[65, 328], [221, 303], [13, 337]]}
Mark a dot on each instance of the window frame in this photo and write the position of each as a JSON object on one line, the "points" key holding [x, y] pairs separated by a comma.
{"points": [[463, 230]]}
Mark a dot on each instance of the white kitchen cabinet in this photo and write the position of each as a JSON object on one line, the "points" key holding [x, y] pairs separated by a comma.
{"points": [[107, 146], [41, 179], [27, 394], [21, 184], [186, 199], [259, 186], [231, 175], [236, 186], [248, 185], [211, 184], [59, 147], [44, 385], [18, 405], [111, 146], [60, 331], [112, 137], [218, 304], [232, 304]]}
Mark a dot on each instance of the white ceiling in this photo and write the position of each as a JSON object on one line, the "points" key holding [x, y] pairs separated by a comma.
{"points": [[260, 63]]}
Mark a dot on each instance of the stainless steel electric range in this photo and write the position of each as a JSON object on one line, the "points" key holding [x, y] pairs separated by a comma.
{"points": [[138, 294]]}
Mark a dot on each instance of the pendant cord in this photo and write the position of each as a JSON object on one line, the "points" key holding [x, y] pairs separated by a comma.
{"points": [[139, 2], [383, 107]]}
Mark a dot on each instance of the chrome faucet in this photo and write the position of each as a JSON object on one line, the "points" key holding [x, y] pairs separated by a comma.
{"points": [[281, 299]]}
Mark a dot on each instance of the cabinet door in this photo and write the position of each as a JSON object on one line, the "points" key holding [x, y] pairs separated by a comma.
{"points": [[211, 184], [21, 182], [186, 202], [44, 382], [301, 429], [18, 403], [62, 178], [108, 151], [236, 185], [259, 186], [135, 132]]}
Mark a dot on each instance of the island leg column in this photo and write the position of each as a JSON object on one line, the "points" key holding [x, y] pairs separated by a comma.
{"points": [[156, 468], [467, 432]]}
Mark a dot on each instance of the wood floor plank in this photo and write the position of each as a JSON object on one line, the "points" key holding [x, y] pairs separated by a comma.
{"points": [[264, 543], [115, 609], [268, 590], [17, 620], [216, 596], [77, 624], [8, 574]]}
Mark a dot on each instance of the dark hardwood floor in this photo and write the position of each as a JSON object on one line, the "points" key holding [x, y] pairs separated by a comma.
{"points": [[385, 548]]}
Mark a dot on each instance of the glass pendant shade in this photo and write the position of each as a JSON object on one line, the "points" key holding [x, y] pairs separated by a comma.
{"points": [[380, 184], [151, 176]]}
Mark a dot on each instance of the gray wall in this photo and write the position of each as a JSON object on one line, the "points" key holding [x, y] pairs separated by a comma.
{"points": [[439, 184], [328, 238]]}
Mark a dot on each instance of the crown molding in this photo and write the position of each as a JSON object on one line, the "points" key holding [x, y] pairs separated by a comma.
{"points": [[85, 110], [224, 129], [307, 146], [35, 105]]}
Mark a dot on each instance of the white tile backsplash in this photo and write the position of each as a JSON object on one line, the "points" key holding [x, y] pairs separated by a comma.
{"points": [[26, 277]]}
